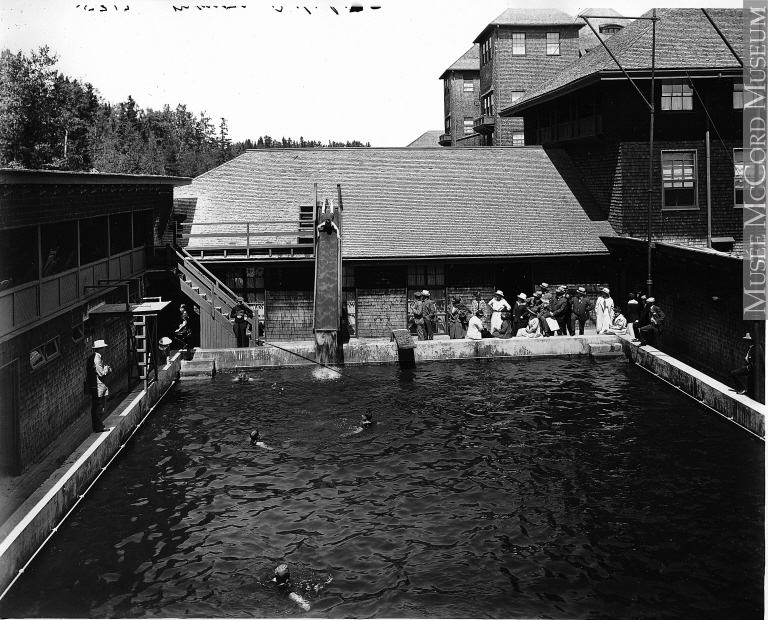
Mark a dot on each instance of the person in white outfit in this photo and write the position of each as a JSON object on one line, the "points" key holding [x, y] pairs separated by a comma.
{"points": [[475, 327], [603, 311], [497, 305]]}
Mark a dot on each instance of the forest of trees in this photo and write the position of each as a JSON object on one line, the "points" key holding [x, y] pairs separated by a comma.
{"points": [[51, 122]]}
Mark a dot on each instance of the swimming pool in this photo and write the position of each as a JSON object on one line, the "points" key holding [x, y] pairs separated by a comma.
{"points": [[541, 488]]}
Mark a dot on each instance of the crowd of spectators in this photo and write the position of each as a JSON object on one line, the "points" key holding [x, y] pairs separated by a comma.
{"points": [[542, 314]]}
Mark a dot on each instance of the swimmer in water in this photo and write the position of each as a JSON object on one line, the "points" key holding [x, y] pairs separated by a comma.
{"points": [[242, 378], [282, 579], [260, 444], [366, 422]]}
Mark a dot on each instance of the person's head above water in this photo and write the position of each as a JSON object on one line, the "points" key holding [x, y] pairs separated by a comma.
{"points": [[366, 419], [254, 436], [282, 575]]}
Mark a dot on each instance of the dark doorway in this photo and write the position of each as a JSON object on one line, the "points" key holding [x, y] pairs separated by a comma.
{"points": [[9, 419], [513, 279]]}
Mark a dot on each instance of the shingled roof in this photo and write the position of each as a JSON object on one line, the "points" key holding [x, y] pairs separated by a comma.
{"points": [[470, 61], [429, 139], [413, 203], [685, 41], [531, 17]]}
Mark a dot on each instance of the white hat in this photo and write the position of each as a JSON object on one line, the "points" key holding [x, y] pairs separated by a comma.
{"points": [[165, 341], [606, 291], [425, 293], [650, 300], [521, 296], [99, 344], [544, 285], [500, 293]]}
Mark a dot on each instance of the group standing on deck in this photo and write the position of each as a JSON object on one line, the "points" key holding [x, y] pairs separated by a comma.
{"points": [[540, 315]]}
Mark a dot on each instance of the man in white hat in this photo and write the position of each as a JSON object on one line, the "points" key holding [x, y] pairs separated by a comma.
{"points": [[95, 370], [430, 314], [742, 375], [417, 312], [164, 349], [497, 304], [649, 334]]}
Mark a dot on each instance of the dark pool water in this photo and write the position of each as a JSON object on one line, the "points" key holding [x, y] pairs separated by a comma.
{"points": [[528, 489]]}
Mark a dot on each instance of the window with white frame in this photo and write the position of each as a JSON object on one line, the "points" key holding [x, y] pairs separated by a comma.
{"points": [[469, 127], [469, 86], [515, 95], [518, 44], [676, 95], [44, 353], [678, 174], [741, 171], [738, 94], [447, 124], [518, 138], [553, 44], [487, 104]]}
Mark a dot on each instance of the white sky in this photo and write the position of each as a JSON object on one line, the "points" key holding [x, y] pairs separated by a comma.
{"points": [[369, 76]]}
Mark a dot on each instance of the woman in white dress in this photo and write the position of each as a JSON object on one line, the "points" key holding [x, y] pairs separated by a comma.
{"points": [[497, 305], [603, 311]]}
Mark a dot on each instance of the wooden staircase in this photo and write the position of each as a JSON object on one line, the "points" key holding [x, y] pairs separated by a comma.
{"points": [[212, 296]]}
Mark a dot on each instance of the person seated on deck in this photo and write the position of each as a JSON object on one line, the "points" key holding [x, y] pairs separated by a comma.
{"points": [[618, 323], [475, 327], [544, 314], [505, 329], [532, 330], [649, 335]]}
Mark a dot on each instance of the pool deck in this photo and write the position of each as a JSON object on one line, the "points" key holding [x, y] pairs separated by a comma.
{"points": [[31, 510]]}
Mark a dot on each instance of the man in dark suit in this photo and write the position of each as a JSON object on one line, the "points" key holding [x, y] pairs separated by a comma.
{"points": [[239, 316], [649, 333], [561, 310], [580, 309]]}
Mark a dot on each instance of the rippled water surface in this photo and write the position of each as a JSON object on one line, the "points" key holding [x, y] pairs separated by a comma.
{"points": [[544, 489]]}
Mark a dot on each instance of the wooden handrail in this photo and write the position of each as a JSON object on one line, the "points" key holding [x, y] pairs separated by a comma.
{"points": [[247, 234]]}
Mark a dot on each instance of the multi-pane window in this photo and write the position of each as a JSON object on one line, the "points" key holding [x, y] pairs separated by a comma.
{"points": [[468, 126], [447, 124], [487, 104], [518, 44], [518, 138], [610, 29], [676, 95], [447, 85], [469, 86], [44, 353], [553, 44], [678, 173], [742, 171], [486, 51], [738, 94], [516, 94]]}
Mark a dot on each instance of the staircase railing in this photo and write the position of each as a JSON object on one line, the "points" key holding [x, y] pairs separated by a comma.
{"points": [[219, 297]]}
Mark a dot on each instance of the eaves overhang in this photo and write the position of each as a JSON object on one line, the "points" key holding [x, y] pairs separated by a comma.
{"points": [[613, 75], [13, 176]]}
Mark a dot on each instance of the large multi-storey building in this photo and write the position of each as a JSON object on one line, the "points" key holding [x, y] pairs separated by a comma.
{"points": [[519, 50]]}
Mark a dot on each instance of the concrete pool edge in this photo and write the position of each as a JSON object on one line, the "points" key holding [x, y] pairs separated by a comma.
{"points": [[33, 522], [383, 351], [741, 410]]}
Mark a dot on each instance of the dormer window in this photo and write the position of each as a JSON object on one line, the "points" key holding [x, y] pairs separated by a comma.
{"points": [[610, 28]]}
